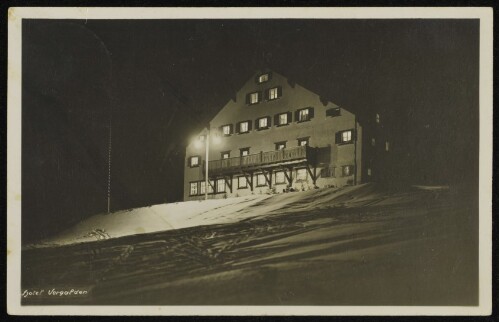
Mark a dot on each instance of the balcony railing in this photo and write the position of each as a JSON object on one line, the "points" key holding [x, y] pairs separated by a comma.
{"points": [[262, 159]]}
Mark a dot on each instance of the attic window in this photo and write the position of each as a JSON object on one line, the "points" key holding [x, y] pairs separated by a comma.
{"points": [[305, 114], [274, 93], [332, 112], [253, 98], [263, 78]]}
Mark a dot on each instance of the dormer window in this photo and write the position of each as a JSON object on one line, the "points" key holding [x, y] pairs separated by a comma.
{"points": [[263, 78]]}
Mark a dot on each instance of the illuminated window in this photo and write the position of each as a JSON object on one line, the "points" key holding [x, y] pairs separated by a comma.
{"points": [[377, 118], [226, 155], [373, 141], [369, 172], [273, 93], [194, 189], [220, 185], [301, 174], [347, 170], [242, 182], [387, 146], [227, 129], [263, 123], [211, 184], [280, 177], [343, 137], [280, 145], [263, 78], [194, 161], [244, 127], [346, 136], [254, 98], [260, 180], [283, 119], [303, 142], [202, 187], [245, 152], [304, 114]]}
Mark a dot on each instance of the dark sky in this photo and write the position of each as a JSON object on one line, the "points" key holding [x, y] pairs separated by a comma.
{"points": [[164, 80]]}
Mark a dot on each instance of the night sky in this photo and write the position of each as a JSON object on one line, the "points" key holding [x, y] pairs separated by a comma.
{"points": [[164, 80]]}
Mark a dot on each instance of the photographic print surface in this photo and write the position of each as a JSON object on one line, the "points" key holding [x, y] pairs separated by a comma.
{"points": [[250, 162]]}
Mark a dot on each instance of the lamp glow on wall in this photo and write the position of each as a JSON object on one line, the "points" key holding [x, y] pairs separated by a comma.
{"points": [[198, 144]]}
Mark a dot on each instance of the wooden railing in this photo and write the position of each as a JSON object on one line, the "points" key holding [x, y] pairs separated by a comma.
{"points": [[300, 153]]}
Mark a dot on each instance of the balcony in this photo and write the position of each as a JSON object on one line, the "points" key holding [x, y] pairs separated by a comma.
{"points": [[269, 159]]}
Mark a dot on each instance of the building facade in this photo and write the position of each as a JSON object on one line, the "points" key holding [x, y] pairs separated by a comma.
{"points": [[273, 137]]}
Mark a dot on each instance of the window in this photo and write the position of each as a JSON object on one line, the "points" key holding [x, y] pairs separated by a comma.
{"points": [[347, 170], [387, 146], [220, 185], [263, 123], [227, 129], [303, 141], [273, 93], [282, 119], [202, 187], [244, 127], [377, 118], [332, 112], [245, 152], [373, 141], [304, 114], [369, 172], [242, 183], [225, 154], [344, 137], [301, 174], [260, 180], [194, 189], [253, 98], [280, 145], [280, 178], [262, 78], [194, 161], [328, 171], [211, 184]]}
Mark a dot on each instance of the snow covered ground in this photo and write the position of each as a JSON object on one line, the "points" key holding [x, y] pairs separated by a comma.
{"points": [[189, 214], [360, 245]]}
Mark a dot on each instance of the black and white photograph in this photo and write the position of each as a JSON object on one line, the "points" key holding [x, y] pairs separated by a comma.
{"points": [[225, 158]]}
